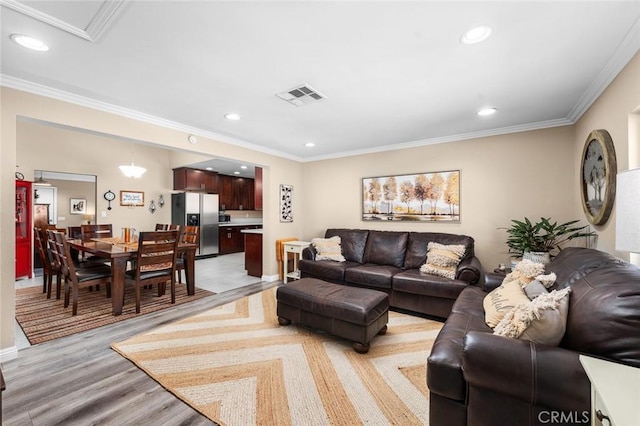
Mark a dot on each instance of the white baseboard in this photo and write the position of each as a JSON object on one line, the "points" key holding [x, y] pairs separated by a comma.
{"points": [[270, 278], [8, 354]]}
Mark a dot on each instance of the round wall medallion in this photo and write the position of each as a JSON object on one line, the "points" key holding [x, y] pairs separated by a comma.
{"points": [[598, 177]]}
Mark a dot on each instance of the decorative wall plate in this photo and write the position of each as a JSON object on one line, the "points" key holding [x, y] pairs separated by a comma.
{"points": [[598, 177]]}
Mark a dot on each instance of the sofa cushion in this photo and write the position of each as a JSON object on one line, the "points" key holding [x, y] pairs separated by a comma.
{"points": [[442, 260], [604, 313], [415, 282], [501, 300], [386, 248], [327, 270], [353, 242], [416, 254], [328, 249], [371, 275]]}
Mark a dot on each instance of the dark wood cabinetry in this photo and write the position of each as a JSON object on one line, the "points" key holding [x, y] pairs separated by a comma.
{"points": [[236, 193], [186, 179], [24, 234], [231, 239], [257, 187]]}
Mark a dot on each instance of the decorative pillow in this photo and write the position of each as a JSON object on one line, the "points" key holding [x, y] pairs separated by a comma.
{"points": [[547, 280], [534, 289], [502, 300], [328, 249], [524, 272], [442, 260], [543, 320]]}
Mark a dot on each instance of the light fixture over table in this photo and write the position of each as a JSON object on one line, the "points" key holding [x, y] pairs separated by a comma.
{"points": [[131, 170]]}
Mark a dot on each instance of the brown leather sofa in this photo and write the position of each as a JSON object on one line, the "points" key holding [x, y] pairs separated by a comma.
{"points": [[390, 261], [477, 378]]}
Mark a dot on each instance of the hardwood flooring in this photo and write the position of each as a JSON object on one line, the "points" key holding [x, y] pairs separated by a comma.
{"points": [[80, 380]]}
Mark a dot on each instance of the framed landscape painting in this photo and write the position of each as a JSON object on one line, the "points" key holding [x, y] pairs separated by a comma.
{"points": [[422, 197]]}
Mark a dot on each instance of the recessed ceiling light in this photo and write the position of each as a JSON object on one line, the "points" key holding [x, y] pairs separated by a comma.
{"points": [[487, 111], [243, 167], [476, 35], [209, 168], [232, 116], [236, 173], [309, 144], [29, 42]]}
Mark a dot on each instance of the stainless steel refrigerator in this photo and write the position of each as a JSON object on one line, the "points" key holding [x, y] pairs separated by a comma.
{"points": [[196, 209]]}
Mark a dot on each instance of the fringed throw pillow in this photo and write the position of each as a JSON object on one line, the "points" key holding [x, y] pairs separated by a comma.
{"points": [[328, 249], [442, 260]]}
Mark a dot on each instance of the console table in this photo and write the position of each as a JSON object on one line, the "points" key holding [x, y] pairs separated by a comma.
{"points": [[296, 248], [615, 392]]}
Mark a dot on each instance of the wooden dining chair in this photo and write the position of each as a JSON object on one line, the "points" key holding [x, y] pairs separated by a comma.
{"points": [[49, 266], [162, 226], [188, 234], [89, 232], [155, 263], [76, 278]]}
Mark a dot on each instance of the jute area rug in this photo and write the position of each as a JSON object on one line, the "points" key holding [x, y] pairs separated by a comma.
{"points": [[45, 319], [237, 366]]}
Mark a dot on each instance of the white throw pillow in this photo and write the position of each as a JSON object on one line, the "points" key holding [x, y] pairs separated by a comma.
{"points": [[328, 249], [443, 260]]}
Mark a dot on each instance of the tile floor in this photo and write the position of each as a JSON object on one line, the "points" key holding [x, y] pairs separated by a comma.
{"points": [[216, 274]]}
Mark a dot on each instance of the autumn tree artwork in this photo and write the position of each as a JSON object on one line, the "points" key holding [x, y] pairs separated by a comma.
{"points": [[433, 196]]}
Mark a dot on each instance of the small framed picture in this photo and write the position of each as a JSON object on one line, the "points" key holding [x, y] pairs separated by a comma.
{"points": [[286, 203], [78, 205], [132, 198]]}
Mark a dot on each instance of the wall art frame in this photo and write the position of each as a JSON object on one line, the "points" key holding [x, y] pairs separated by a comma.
{"points": [[286, 203], [77, 205], [132, 198], [598, 169], [418, 197]]}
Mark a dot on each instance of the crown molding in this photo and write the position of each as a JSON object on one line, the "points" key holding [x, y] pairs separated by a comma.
{"points": [[625, 51], [42, 90], [93, 30]]}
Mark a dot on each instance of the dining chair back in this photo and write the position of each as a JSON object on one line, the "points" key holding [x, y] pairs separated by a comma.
{"points": [[76, 278], [49, 266], [155, 263], [88, 232], [188, 234], [162, 226]]}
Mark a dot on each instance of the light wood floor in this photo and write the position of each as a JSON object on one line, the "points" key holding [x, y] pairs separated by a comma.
{"points": [[80, 380]]}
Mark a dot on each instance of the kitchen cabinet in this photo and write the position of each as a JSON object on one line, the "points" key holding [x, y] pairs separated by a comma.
{"points": [[231, 238], [236, 193], [186, 179], [24, 236], [257, 189], [253, 253]]}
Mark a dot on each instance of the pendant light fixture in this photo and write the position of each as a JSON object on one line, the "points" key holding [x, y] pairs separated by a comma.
{"points": [[41, 182], [131, 170]]}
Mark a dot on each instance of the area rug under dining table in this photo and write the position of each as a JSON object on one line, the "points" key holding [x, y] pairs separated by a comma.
{"points": [[43, 319], [237, 366]]}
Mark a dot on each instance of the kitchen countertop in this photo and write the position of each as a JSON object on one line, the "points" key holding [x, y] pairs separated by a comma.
{"points": [[252, 231], [232, 223]]}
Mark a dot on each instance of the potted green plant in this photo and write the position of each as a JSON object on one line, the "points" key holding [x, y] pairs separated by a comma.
{"points": [[537, 241]]}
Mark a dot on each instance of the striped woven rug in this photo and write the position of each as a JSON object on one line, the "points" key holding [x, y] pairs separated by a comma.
{"points": [[237, 366], [45, 319]]}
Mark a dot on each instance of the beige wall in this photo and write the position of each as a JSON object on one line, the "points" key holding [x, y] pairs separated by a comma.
{"points": [[613, 111], [502, 178]]}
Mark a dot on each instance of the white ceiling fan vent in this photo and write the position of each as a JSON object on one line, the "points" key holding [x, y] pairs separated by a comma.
{"points": [[301, 95]]}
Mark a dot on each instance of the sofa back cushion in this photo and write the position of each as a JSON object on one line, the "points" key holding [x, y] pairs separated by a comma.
{"points": [[416, 254], [386, 248], [604, 307], [352, 241]]}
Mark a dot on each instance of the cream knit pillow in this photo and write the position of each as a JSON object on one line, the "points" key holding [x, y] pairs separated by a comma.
{"points": [[442, 260], [502, 300], [328, 249]]}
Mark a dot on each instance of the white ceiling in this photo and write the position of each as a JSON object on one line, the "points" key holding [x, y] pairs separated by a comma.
{"points": [[393, 72]]}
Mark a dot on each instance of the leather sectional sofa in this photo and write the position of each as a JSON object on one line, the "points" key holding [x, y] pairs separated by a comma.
{"points": [[390, 261], [477, 378]]}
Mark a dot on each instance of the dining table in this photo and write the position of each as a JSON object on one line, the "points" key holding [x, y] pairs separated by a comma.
{"points": [[119, 253]]}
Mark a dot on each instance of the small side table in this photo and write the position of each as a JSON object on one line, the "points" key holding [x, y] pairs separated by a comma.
{"points": [[296, 248], [615, 392]]}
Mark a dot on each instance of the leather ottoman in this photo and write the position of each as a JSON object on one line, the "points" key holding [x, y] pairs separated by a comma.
{"points": [[356, 314]]}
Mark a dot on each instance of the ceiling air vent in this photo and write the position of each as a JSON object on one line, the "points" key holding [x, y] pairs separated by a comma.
{"points": [[301, 95]]}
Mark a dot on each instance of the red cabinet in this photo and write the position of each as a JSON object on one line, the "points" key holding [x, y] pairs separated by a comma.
{"points": [[24, 235], [186, 179]]}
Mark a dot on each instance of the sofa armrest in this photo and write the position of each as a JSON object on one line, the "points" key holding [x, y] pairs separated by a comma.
{"points": [[536, 374], [309, 253], [492, 280], [469, 270]]}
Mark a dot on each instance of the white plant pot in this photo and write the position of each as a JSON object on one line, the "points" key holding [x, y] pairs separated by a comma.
{"points": [[537, 256]]}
